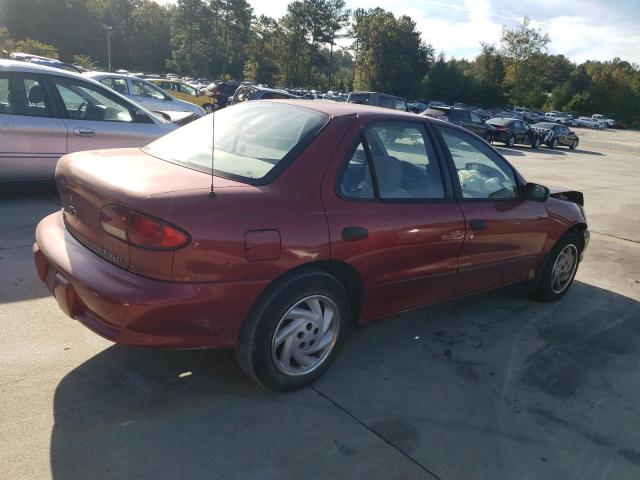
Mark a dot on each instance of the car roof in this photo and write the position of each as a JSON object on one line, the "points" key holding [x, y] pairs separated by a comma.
{"points": [[96, 74], [502, 121], [545, 124], [337, 109], [26, 67]]}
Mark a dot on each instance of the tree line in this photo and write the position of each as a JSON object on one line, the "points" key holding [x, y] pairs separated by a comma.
{"points": [[225, 39]]}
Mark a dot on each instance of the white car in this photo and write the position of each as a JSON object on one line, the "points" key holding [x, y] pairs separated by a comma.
{"points": [[593, 123], [47, 112], [556, 117], [601, 118], [144, 93]]}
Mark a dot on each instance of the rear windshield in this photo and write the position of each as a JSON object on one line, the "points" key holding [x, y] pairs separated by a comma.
{"points": [[253, 140]]}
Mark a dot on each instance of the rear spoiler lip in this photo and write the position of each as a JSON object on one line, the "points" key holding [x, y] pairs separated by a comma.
{"points": [[567, 194]]}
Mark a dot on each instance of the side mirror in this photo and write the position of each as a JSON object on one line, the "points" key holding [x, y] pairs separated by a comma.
{"points": [[142, 117], [536, 193]]}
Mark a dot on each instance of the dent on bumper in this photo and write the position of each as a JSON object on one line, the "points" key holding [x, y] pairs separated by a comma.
{"points": [[127, 308]]}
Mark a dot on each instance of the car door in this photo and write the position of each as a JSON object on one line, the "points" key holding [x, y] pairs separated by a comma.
{"points": [[150, 96], [392, 216], [97, 118], [505, 234], [32, 136]]}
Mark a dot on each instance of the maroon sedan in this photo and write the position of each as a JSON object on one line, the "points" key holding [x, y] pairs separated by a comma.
{"points": [[306, 216]]}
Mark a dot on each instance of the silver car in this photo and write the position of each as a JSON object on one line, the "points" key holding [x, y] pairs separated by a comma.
{"points": [[144, 93], [47, 112]]}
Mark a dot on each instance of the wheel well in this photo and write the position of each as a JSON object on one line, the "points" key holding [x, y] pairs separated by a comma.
{"points": [[579, 229], [348, 276], [343, 272]]}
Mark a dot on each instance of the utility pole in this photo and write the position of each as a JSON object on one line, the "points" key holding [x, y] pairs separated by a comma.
{"points": [[109, 29]]}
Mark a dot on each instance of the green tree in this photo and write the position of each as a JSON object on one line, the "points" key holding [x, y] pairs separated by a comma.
{"points": [[189, 29], [34, 47], [523, 48], [85, 61], [390, 54]]}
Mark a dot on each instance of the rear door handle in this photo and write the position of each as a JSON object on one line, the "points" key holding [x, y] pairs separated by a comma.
{"points": [[477, 224], [84, 132], [352, 234]]}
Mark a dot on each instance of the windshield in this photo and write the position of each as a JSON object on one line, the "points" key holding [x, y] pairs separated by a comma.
{"points": [[251, 139]]}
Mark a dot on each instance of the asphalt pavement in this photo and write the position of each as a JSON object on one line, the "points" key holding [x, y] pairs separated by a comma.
{"points": [[494, 386]]}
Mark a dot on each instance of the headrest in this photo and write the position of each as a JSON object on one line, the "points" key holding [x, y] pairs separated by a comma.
{"points": [[36, 94]]}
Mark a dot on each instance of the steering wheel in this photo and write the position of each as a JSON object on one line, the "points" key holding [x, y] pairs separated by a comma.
{"points": [[82, 108]]}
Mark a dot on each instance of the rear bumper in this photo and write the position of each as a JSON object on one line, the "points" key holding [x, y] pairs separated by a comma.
{"points": [[131, 309]]}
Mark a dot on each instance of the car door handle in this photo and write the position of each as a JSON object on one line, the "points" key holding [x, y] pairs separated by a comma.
{"points": [[84, 132], [352, 234], [477, 224]]}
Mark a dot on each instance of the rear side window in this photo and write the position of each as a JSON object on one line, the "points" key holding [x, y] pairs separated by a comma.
{"points": [[362, 98], [253, 140], [356, 181], [402, 165], [23, 96]]}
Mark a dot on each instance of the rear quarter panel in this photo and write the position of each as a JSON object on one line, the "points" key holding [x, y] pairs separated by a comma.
{"points": [[290, 205]]}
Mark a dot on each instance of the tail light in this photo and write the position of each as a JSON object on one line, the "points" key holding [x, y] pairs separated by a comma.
{"points": [[141, 230]]}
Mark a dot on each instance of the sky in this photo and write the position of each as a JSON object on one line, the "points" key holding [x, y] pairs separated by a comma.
{"points": [[580, 29]]}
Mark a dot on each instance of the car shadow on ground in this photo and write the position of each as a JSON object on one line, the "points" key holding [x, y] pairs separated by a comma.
{"points": [[543, 388], [586, 152]]}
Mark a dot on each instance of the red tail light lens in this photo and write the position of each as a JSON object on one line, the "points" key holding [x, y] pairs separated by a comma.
{"points": [[141, 230], [155, 234]]}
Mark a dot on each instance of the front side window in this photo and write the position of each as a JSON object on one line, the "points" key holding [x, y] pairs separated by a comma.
{"points": [[251, 139], [475, 118], [141, 89], [482, 173], [85, 101], [23, 96], [404, 161], [401, 105]]}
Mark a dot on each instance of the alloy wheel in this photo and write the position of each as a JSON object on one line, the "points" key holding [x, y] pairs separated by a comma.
{"points": [[305, 335], [564, 268]]}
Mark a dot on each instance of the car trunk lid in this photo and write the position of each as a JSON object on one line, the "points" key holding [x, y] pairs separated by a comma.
{"points": [[89, 182]]}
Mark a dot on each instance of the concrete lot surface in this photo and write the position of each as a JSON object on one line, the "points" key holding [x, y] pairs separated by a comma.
{"points": [[494, 386]]}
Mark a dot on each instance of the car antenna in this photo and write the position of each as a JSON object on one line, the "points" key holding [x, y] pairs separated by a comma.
{"points": [[212, 194]]}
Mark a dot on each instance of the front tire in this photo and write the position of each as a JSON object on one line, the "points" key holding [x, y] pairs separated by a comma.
{"points": [[574, 145], [208, 108], [560, 269], [536, 142], [295, 331], [554, 143], [511, 141]]}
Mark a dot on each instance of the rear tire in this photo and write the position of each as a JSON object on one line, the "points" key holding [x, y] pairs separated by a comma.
{"points": [[488, 137], [304, 312], [560, 269], [208, 108]]}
